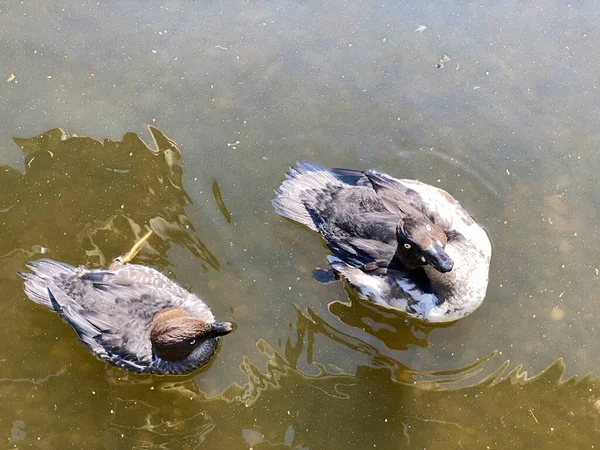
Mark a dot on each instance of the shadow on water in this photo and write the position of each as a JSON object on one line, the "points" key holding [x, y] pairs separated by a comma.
{"points": [[99, 198]]}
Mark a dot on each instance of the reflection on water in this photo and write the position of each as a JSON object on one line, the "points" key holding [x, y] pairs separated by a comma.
{"points": [[100, 196], [397, 331], [371, 411], [509, 127], [392, 328], [219, 200], [407, 332], [280, 407], [104, 196]]}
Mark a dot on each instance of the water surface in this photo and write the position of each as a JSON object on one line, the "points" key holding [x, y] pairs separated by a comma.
{"points": [[508, 125]]}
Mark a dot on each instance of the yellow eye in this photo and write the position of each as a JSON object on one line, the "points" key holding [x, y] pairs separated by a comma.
{"points": [[406, 245]]}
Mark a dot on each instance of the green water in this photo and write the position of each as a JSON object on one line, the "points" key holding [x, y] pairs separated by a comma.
{"points": [[237, 92]]}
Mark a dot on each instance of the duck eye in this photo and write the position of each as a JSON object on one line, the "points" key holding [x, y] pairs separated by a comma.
{"points": [[406, 245], [193, 341], [428, 227]]}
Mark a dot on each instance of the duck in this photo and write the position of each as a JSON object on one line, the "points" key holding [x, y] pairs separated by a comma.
{"points": [[400, 243], [129, 315]]}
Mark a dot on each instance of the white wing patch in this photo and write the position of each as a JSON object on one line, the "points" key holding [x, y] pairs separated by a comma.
{"points": [[371, 287]]}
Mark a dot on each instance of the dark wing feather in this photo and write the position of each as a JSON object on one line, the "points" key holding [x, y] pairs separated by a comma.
{"points": [[71, 312], [367, 254], [361, 239], [401, 199], [352, 177], [397, 199]]}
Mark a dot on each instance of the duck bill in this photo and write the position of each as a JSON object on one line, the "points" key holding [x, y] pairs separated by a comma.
{"points": [[437, 258], [220, 328]]}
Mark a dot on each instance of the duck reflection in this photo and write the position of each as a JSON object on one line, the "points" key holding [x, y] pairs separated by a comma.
{"points": [[279, 405], [387, 327], [282, 407], [395, 331], [384, 332], [85, 200]]}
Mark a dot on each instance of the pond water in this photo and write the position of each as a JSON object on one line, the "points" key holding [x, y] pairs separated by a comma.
{"points": [[496, 104]]}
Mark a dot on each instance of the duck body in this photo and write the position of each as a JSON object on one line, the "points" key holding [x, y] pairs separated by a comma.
{"points": [[358, 215], [119, 313]]}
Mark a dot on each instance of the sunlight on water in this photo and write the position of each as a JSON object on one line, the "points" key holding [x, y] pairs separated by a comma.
{"points": [[507, 125], [102, 196], [94, 186]]}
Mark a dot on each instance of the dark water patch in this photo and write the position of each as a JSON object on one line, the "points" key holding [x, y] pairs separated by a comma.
{"points": [[98, 197]]}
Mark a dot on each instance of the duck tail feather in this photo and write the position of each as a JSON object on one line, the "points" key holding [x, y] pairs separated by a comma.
{"points": [[50, 267], [41, 277], [351, 176], [301, 187], [36, 289]]}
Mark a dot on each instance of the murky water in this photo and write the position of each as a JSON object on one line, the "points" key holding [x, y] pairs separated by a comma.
{"points": [[508, 125]]}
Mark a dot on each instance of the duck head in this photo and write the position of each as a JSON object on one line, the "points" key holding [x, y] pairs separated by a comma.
{"points": [[175, 333], [421, 242]]}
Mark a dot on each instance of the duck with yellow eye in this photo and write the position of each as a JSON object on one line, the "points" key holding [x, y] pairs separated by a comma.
{"points": [[400, 243], [421, 242], [130, 316]]}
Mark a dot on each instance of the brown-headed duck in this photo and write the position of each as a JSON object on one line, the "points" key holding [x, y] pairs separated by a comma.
{"points": [[402, 244], [130, 316]]}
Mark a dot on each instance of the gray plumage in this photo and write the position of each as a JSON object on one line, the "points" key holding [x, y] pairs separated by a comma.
{"points": [[112, 311], [357, 213]]}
